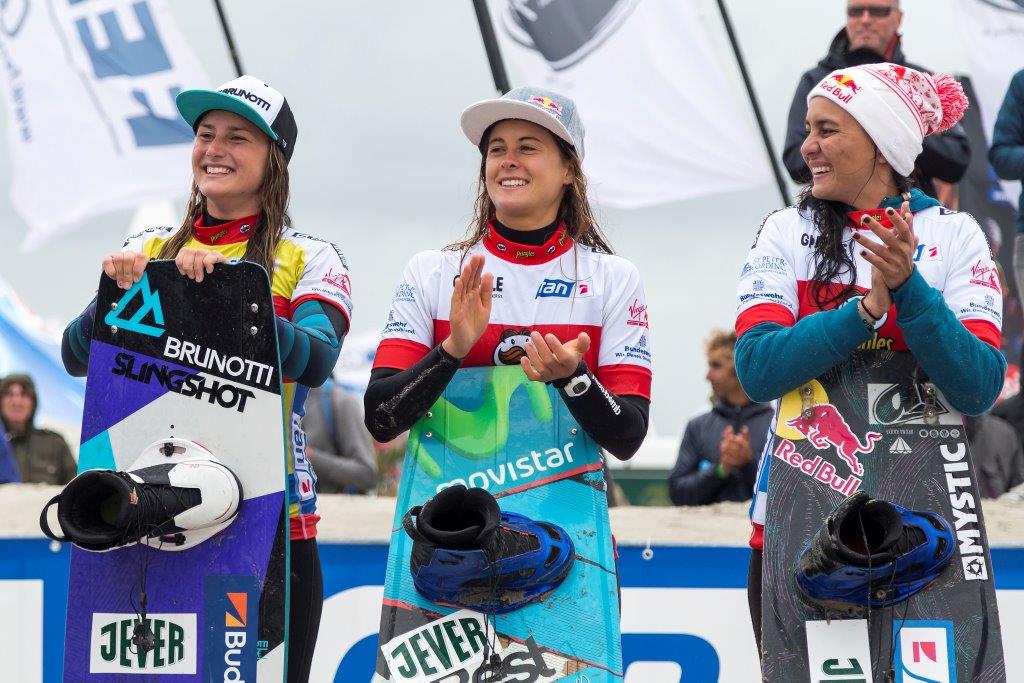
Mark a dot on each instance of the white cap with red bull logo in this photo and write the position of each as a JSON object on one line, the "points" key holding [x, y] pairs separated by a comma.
{"points": [[546, 108]]}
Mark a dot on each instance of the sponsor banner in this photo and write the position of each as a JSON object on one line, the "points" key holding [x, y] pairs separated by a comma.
{"points": [[684, 609], [112, 651], [633, 68], [98, 78], [925, 651]]}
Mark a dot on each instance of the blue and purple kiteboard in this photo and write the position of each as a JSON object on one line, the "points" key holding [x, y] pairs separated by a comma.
{"points": [[173, 358]]}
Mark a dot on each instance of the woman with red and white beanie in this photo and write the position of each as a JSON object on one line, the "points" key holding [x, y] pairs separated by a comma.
{"points": [[827, 276]]}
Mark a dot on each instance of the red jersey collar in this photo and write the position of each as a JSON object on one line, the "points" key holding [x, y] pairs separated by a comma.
{"points": [[226, 233], [530, 254]]}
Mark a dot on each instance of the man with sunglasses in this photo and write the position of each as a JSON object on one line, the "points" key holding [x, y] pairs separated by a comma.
{"points": [[870, 36]]}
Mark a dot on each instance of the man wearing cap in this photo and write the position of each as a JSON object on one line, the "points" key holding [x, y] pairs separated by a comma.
{"points": [[871, 36]]}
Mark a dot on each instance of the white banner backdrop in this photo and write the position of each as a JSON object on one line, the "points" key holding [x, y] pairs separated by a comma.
{"points": [[89, 87], [661, 124], [993, 35]]}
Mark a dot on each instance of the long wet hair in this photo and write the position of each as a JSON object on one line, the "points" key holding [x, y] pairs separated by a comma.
{"points": [[574, 211], [833, 261], [272, 221]]}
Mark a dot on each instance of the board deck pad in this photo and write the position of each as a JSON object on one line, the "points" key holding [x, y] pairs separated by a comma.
{"points": [[171, 357], [869, 431], [494, 428]]}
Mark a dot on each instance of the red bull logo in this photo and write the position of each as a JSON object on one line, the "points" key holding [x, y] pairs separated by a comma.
{"points": [[841, 86], [548, 104], [826, 428], [816, 468], [845, 81]]}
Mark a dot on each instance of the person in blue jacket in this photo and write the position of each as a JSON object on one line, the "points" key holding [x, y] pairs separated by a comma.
{"points": [[1007, 158], [867, 261]]}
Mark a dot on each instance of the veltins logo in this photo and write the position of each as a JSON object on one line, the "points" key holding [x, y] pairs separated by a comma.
{"points": [[150, 304], [111, 649], [231, 641], [924, 651]]}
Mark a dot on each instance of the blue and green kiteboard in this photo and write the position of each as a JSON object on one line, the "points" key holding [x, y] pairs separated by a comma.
{"points": [[493, 428]]}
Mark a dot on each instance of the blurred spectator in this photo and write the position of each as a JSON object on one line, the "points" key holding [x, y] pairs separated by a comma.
{"points": [[8, 467], [997, 454], [43, 456], [1012, 410], [871, 36], [1007, 158], [341, 448], [720, 449]]}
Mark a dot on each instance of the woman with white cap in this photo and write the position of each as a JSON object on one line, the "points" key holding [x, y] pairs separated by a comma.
{"points": [[238, 209], [865, 261], [534, 284]]}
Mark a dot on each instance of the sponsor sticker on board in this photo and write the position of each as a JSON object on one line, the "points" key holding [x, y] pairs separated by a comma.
{"points": [[453, 643], [924, 651], [111, 650], [838, 650]]}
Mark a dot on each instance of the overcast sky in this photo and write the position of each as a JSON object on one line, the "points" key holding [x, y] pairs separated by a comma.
{"points": [[382, 168]]}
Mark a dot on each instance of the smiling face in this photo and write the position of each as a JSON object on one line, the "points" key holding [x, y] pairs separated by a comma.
{"points": [[873, 32], [844, 162], [525, 173], [229, 159]]}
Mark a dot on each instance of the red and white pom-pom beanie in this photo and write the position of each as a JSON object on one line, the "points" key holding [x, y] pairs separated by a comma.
{"points": [[897, 106]]}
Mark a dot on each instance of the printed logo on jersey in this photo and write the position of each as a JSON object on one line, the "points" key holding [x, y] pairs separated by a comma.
{"points": [[927, 252], [111, 649], [898, 404], [148, 306], [404, 292], [639, 351], [965, 517], [564, 289], [765, 264], [340, 280], [395, 326], [986, 275], [230, 618], [510, 347], [638, 314], [986, 307], [924, 651]]}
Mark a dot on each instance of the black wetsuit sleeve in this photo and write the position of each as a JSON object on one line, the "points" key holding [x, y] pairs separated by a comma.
{"points": [[74, 344], [617, 423], [396, 399]]}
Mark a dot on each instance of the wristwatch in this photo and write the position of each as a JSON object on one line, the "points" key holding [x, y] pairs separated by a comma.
{"points": [[578, 385]]}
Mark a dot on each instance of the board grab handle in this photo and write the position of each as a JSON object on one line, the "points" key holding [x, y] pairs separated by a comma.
{"points": [[44, 523]]}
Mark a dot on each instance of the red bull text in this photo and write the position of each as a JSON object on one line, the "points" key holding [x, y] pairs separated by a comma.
{"points": [[826, 428], [816, 468], [844, 87]]}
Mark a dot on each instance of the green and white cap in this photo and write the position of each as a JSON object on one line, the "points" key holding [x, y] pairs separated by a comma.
{"points": [[250, 98]]}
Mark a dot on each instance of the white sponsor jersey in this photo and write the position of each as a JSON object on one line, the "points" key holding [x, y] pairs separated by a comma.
{"points": [[559, 287], [776, 285]]}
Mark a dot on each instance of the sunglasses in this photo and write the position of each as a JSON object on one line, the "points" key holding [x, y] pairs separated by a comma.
{"points": [[855, 11]]}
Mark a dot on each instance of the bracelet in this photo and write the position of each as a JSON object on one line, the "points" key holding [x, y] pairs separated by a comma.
{"points": [[871, 315]]}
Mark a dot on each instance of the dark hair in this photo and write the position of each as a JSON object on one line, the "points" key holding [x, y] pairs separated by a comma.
{"points": [[574, 210], [833, 261], [273, 217]]}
